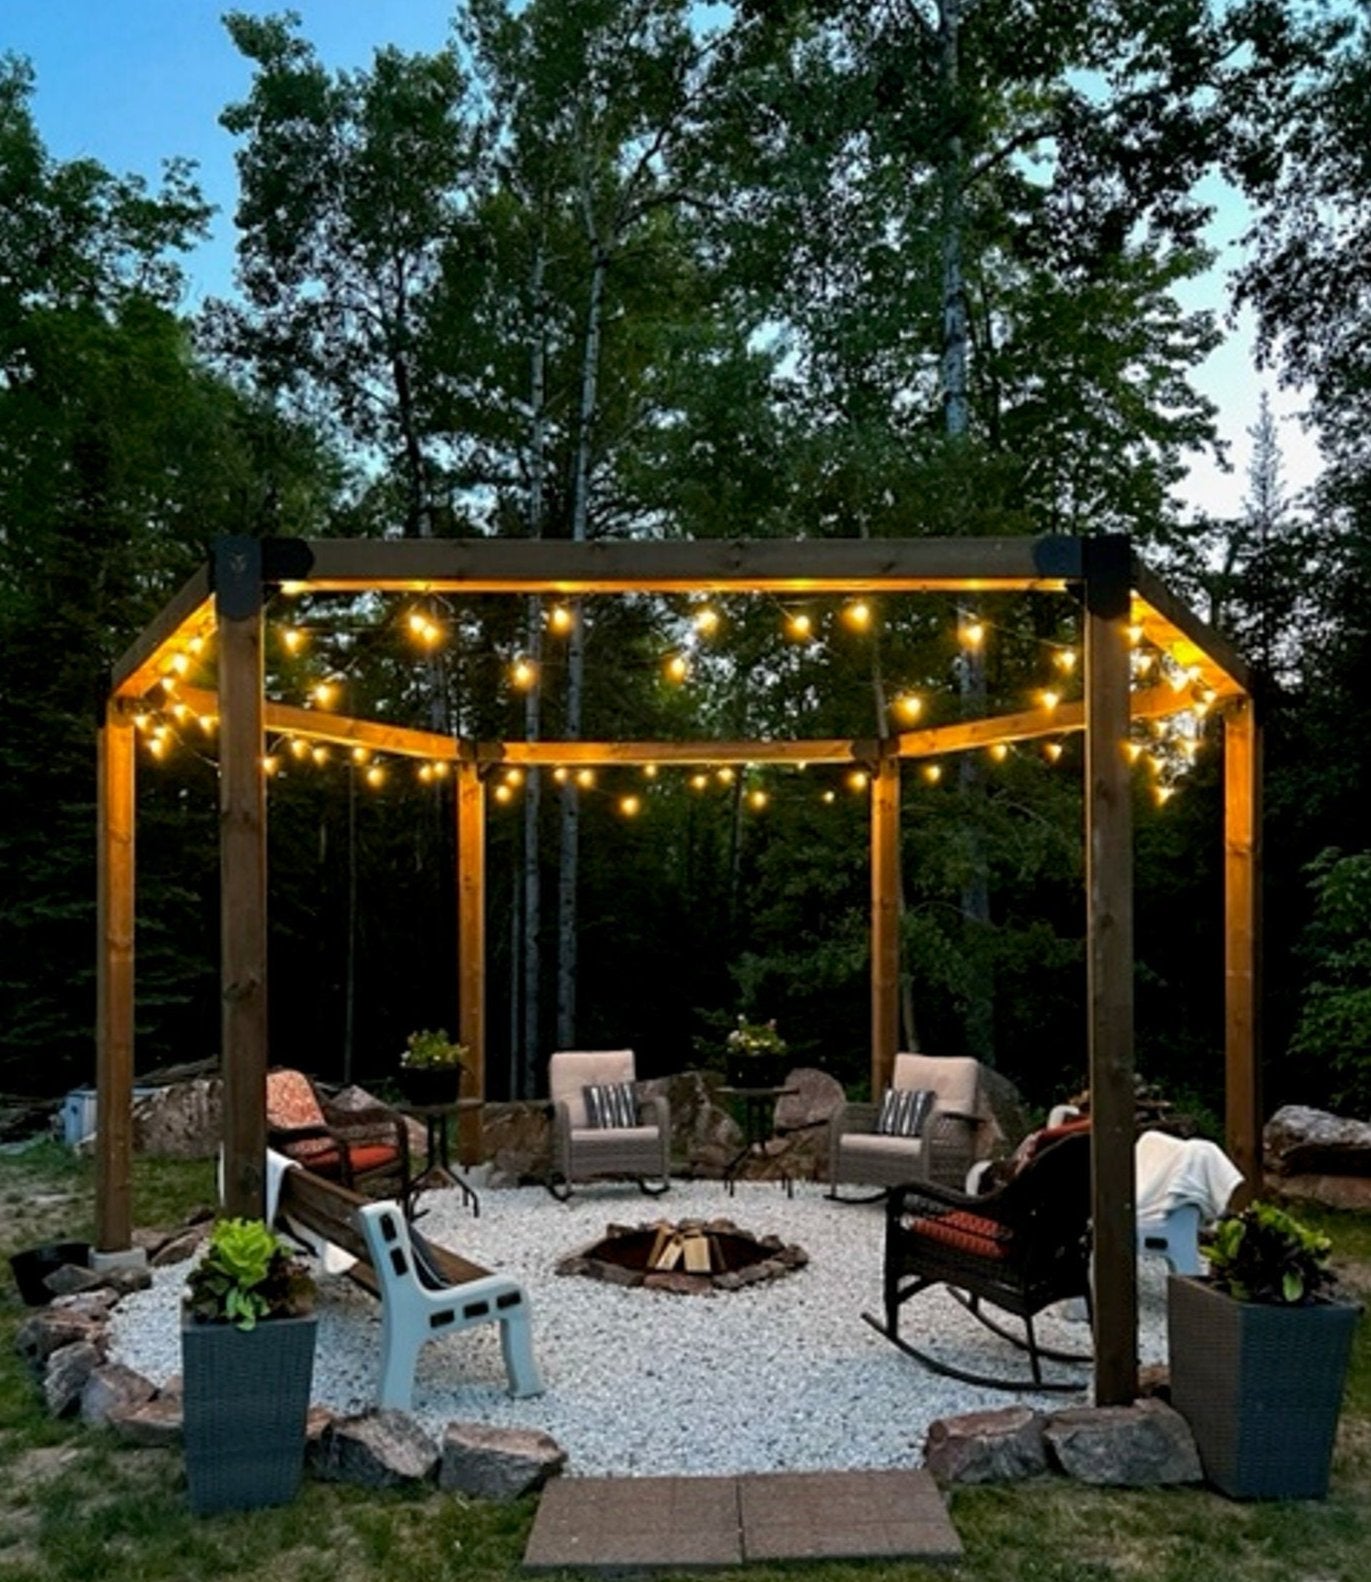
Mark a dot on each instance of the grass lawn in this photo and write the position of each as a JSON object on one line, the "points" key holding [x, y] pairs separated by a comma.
{"points": [[75, 1505]]}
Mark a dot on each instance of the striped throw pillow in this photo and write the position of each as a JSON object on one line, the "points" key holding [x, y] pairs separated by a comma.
{"points": [[610, 1104], [904, 1111]]}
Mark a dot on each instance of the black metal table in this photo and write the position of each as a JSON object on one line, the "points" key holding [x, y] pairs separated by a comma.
{"points": [[759, 1127], [438, 1169]]}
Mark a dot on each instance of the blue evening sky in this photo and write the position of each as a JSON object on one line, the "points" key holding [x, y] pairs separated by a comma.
{"points": [[133, 82]]}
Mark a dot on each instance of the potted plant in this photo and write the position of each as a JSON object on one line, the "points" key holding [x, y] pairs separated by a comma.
{"points": [[431, 1068], [247, 1354], [1259, 1354], [755, 1055]]}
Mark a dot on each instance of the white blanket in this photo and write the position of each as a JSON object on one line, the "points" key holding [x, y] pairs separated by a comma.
{"points": [[332, 1260], [1172, 1171]]}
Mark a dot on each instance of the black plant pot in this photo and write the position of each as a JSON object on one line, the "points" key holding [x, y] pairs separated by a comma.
{"points": [[425, 1085], [1261, 1387], [32, 1267], [246, 1405], [756, 1071]]}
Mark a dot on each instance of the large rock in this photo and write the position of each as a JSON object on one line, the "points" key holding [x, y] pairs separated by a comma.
{"points": [[181, 1121], [517, 1140], [154, 1424], [1134, 1446], [1008, 1121], [1302, 1141], [88, 1304], [72, 1278], [50, 1329], [113, 1390], [1345, 1192], [68, 1369], [704, 1135], [497, 1463], [817, 1097], [378, 1450], [986, 1447]]}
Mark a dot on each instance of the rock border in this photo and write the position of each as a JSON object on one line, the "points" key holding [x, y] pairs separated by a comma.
{"points": [[779, 1259]]}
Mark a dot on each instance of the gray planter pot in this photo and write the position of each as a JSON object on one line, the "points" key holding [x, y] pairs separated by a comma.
{"points": [[1260, 1386], [246, 1403]]}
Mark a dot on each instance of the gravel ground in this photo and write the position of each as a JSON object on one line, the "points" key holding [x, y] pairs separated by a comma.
{"points": [[778, 1376]]}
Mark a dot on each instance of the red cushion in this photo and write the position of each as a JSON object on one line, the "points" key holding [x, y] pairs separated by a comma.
{"points": [[1035, 1142], [364, 1157], [985, 1238]]}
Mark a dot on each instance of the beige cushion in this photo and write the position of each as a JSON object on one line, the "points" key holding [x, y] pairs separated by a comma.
{"points": [[611, 1136], [954, 1079], [570, 1070], [871, 1144]]}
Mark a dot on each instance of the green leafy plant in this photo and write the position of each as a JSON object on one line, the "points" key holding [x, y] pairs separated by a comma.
{"points": [[1264, 1255], [247, 1274], [756, 1038], [432, 1051]]}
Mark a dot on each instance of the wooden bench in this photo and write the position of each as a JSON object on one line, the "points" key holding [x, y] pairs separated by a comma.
{"points": [[424, 1290]]}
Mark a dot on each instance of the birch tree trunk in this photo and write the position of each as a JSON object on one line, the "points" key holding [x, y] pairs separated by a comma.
{"points": [[570, 828]]}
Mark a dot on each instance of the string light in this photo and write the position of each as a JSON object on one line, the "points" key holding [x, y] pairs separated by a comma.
{"points": [[196, 645], [1065, 660], [292, 639], [524, 674], [428, 631], [180, 664], [857, 615], [270, 764], [1049, 699], [1134, 751], [726, 776], [858, 780], [561, 774], [361, 755], [999, 752], [299, 747], [800, 626], [585, 778], [157, 746], [699, 782], [1052, 751], [324, 693], [560, 620], [933, 773], [180, 713], [757, 800], [376, 776], [425, 773], [141, 721], [503, 793], [292, 590], [320, 755], [1163, 794], [649, 771], [207, 723], [676, 668], [1135, 634], [168, 684], [706, 620], [440, 771], [910, 706], [514, 777], [971, 633], [830, 796], [630, 806]]}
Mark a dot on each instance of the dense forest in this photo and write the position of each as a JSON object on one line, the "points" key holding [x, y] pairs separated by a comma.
{"points": [[600, 270]]}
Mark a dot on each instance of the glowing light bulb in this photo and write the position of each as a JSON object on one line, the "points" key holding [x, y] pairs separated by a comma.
{"points": [[829, 796], [514, 777], [858, 780], [361, 755], [971, 633], [630, 806], [321, 756], [933, 773], [1163, 794], [999, 752], [677, 668], [757, 800], [440, 771], [324, 693], [376, 776], [425, 773], [561, 774], [1065, 660], [168, 684], [649, 771], [418, 622], [196, 645], [270, 764], [292, 590], [909, 706], [292, 639], [180, 664], [699, 782], [1134, 751], [1052, 751], [1135, 634], [857, 615], [524, 674], [503, 793], [800, 626], [141, 721], [1049, 699], [157, 746], [705, 621], [585, 778], [180, 713], [560, 619], [207, 722], [726, 776], [299, 748]]}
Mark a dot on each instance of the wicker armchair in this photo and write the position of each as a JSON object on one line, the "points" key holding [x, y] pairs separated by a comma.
{"points": [[943, 1151], [582, 1152], [1020, 1249], [361, 1148]]}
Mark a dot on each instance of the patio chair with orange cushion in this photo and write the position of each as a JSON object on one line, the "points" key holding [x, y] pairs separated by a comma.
{"points": [[358, 1147], [1020, 1248]]}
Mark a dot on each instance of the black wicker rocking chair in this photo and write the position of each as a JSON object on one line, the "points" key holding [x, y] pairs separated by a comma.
{"points": [[1020, 1249]]}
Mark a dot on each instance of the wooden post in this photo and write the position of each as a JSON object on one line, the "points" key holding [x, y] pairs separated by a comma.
{"points": [[117, 772], [885, 921], [1242, 941], [242, 874], [471, 944], [1109, 986]]}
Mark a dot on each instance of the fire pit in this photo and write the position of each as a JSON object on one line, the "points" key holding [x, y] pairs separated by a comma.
{"points": [[694, 1257]]}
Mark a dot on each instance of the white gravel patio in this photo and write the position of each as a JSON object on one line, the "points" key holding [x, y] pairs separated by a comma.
{"points": [[780, 1376]]}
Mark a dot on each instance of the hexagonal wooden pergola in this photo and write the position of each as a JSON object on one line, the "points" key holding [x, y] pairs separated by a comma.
{"points": [[1117, 591]]}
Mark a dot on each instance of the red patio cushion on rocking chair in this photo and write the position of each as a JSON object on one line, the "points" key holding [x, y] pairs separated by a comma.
{"points": [[984, 1238]]}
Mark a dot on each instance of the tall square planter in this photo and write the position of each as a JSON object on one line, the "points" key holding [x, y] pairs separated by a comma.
{"points": [[1261, 1387], [246, 1404]]}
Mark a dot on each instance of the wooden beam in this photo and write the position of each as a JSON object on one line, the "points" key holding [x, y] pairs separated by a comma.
{"points": [[471, 945], [1109, 978], [188, 613], [1162, 606], [320, 726], [1242, 942], [242, 874], [800, 566], [117, 774], [885, 922], [1028, 725], [551, 753]]}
